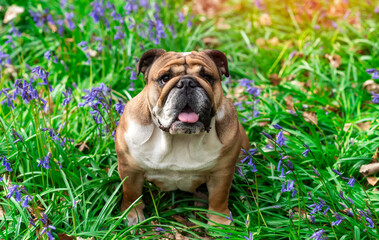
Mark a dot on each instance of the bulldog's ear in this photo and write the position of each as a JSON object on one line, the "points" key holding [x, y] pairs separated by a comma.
{"points": [[147, 59], [220, 59]]}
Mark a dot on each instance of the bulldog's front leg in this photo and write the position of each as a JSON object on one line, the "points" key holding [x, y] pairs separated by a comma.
{"points": [[219, 185], [132, 190]]}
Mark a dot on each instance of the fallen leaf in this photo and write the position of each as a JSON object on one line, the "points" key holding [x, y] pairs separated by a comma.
{"points": [[289, 102], [52, 27], [334, 59], [375, 156], [273, 41], [261, 42], [263, 123], [64, 236], [346, 127], [222, 25], [372, 180], [275, 79], [12, 12], [369, 169], [364, 126], [211, 41], [82, 146], [92, 53], [371, 86], [310, 117], [208, 7], [2, 213], [265, 19]]}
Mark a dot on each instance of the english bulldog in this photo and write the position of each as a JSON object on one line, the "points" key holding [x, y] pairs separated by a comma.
{"points": [[180, 131]]}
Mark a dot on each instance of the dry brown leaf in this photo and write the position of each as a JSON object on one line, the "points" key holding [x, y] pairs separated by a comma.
{"points": [[334, 59], [92, 53], [263, 123], [261, 42], [310, 117], [364, 126], [289, 102], [82, 146], [346, 127], [211, 41], [207, 7], [273, 41], [371, 86], [64, 236], [275, 79], [52, 27], [369, 169], [12, 12], [238, 94], [265, 19], [222, 25], [2, 212], [372, 180]]}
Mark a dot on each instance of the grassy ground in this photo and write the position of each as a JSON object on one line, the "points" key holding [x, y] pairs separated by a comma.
{"points": [[308, 89]]}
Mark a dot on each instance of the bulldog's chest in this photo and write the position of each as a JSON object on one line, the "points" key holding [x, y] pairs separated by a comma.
{"points": [[173, 161]]}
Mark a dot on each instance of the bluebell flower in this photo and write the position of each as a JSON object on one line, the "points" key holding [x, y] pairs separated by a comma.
{"points": [[45, 161], [5, 163], [69, 17], [120, 107], [47, 55], [341, 195], [98, 10], [253, 91], [244, 82], [31, 222], [119, 34], [26, 201], [180, 17], [280, 139], [305, 153], [351, 182], [336, 172], [375, 98], [159, 229], [277, 126], [339, 219], [12, 190], [313, 219], [67, 97], [8, 98], [83, 45], [267, 135], [255, 113], [370, 222], [351, 201], [250, 236], [16, 136], [317, 235], [315, 171]]}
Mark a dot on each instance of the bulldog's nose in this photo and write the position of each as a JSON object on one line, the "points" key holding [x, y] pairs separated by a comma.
{"points": [[187, 82]]}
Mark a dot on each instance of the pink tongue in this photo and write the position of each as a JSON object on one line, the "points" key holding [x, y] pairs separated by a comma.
{"points": [[189, 117]]}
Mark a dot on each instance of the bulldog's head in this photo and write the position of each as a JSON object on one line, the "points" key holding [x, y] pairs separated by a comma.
{"points": [[183, 89]]}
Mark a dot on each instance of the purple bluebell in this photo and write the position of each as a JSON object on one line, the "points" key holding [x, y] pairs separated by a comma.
{"points": [[98, 10], [305, 153], [119, 34], [26, 201], [341, 195], [133, 75], [8, 98], [244, 82], [4, 59], [339, 219], [370, 222], [252, 90], [47, 55], [255, 113], [277, 126], [317, 235], [67, 97], [292, 54], [336, 172], [351, 182], [31, 222], [250, 236], [5, 163], [315, 171], [267, 135], [16, 136], [45, 161], [282, 173], [12, 190], [280, 139], [83, 45], [180, 17], [120, 107], [351, 201], [159, 229], [375, 98], [326, 210], [69, 20], [313, 219]]}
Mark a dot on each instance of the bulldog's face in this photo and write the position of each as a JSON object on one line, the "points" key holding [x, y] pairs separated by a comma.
{"points": [[183, 89]]}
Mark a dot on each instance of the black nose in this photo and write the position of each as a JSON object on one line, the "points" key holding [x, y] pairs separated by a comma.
{"points": [[187, 82]]}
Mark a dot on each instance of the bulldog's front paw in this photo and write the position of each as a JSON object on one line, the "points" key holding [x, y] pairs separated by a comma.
{"points": [[135, 216], [216, 219]]}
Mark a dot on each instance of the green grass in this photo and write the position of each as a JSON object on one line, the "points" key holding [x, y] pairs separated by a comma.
{"points": [[88, 173]]}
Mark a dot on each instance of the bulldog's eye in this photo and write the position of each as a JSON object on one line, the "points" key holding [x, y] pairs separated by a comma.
{"points": [[209, 78], [164, 79]]}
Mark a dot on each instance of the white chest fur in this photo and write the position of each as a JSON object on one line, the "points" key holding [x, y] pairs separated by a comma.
{"points": [[174, 160]]}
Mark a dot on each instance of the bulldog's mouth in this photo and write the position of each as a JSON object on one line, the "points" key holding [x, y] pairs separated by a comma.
{"points": [[187, 115]]}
